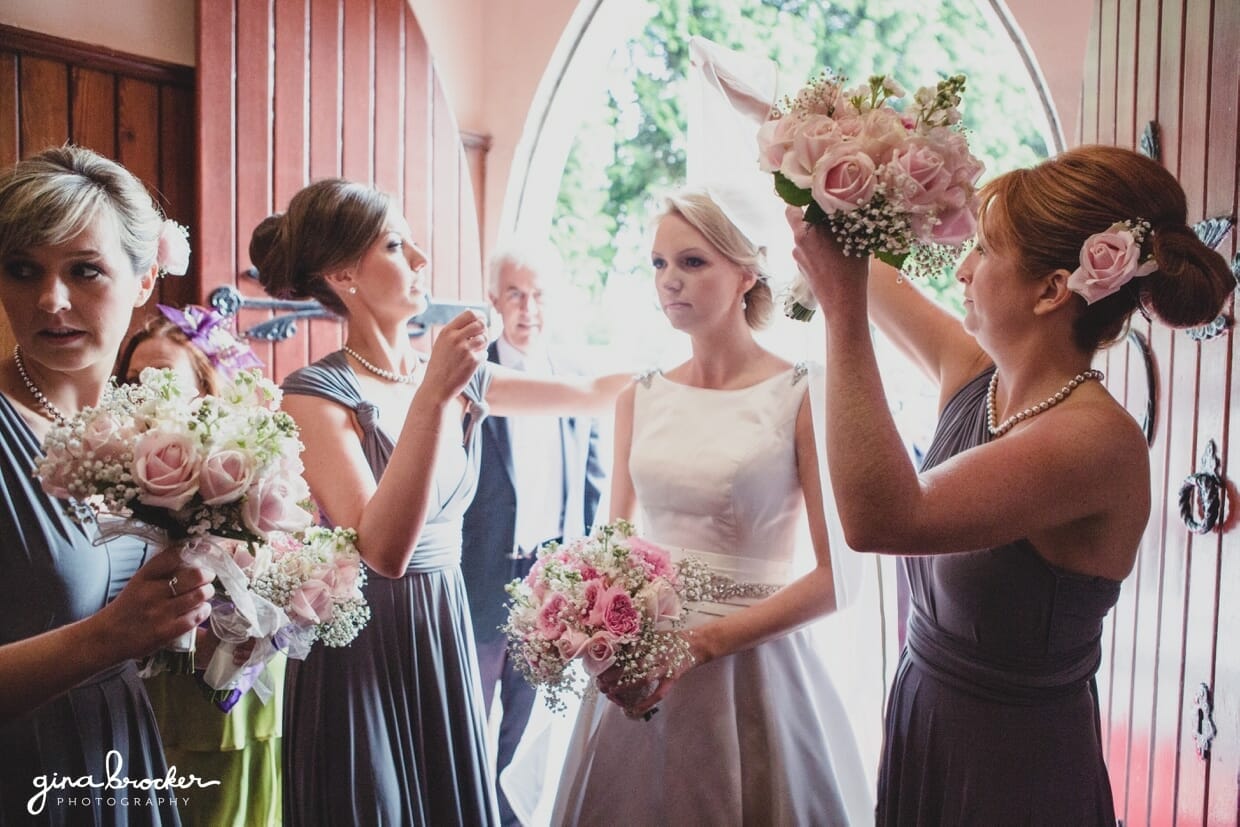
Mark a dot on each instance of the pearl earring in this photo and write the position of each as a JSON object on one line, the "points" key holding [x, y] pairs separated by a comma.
{"points": [[352, 291], [744, 304]]}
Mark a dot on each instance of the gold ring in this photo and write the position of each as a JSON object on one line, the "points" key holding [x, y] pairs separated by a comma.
{"points": [[172, 585]]}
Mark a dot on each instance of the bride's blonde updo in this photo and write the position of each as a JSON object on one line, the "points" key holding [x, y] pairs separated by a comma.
{"points": [[705, 216], [329, 225]]}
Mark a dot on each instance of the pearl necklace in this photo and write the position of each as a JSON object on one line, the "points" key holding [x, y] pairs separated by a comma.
{"points": [[1033, 410], [49, 410], [391, 376]]}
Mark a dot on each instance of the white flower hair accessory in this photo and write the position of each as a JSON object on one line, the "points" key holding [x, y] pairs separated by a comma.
{"points": [[1111, 259], [172, 256]]}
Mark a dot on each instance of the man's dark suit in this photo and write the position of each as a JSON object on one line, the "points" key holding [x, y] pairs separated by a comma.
{"points": [[488, 549]]}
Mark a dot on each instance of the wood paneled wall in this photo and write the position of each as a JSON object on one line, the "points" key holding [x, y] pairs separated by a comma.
{"points": [[136, 110], [291, 91], [1175, 62]]}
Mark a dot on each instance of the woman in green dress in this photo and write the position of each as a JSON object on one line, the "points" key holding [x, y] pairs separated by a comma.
{"points": [[239, 747]]}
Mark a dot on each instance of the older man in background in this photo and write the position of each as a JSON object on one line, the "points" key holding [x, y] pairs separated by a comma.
{"points": [[540, 480]]}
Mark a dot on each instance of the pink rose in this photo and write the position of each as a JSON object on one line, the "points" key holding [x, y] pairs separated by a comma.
{"points": [[341, 578], [550, 625], [615, 612], [173, 253], [1109, 260], [917, 177], [774, 141], [657, 561], [951, 227], [881, 132], [282, 544], [106, 437], [662, 604], [311, 602], [571, 644], [225, 476], [591, 591], [813, 137], [55, 472], [273, 504], [538, 587], [599, 654], [844, 179], [954, 147], [850, 126], [165, 469]]}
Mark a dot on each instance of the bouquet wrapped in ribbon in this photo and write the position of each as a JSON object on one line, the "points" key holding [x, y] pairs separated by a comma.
{"points": [[217, 478], [899, 185], [309, 584], [610, 599]]}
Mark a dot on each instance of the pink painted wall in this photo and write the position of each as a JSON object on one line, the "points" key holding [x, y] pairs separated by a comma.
{"points": [[492, 57]]}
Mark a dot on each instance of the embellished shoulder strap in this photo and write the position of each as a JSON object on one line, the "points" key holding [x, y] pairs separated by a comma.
{"points": [[647, 377], [799, 371]]}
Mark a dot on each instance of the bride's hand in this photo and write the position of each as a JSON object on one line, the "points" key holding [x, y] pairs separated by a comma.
{"points": [[640, 698]]}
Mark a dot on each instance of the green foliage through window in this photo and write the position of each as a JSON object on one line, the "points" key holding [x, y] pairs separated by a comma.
{"points": [[630, 145]]}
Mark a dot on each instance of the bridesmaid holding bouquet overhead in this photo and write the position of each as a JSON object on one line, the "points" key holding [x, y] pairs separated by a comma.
{"points": [[1031, 502]]}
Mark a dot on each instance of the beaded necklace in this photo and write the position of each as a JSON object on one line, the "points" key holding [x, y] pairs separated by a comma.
{"points": [[1033, 410], [391, 376], [49, 410]]}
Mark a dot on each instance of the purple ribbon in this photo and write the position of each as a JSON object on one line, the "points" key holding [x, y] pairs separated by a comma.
{"points": [[208, 331]]}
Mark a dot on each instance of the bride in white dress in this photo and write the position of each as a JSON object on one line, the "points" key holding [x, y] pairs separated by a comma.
{"points": [[718, 457]]}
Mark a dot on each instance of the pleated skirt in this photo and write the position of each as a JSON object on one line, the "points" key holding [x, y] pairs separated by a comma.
{"points": [[389, 730]]}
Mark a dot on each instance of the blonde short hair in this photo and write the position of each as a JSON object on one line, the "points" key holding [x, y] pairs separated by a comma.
{"points": [[51, 197]]}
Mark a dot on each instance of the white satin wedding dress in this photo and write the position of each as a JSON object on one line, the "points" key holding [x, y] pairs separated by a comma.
{"points": [[760, 736]]}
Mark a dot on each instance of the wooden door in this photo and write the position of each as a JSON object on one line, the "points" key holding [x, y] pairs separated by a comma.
{"points": [[291, 91], [1173, 63]]}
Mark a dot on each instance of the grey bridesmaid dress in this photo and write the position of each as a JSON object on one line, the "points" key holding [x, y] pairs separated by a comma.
{"points": [[52, 574], [993, 715], [390, 730]]}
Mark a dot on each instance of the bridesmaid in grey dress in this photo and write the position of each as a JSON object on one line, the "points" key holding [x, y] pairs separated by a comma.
{"points": [[74, 615], [1035, 492], [390, 730]]}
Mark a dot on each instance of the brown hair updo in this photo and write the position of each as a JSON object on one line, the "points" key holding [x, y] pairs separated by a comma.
{"points": [[328, 225], [705, 215], [1045, 214]]}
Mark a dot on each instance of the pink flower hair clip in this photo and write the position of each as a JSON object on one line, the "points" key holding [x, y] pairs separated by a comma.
{"points": [[208, 331], [172, 256], [1111, 259]]}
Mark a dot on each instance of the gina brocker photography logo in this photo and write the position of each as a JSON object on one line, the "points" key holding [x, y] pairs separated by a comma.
{"points": [[114, 789]]}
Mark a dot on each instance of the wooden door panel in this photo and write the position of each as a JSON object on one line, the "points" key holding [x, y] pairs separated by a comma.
{"points": [[290, 110], [374, 111], [43, 90], [1173, 62], [93, 104]]}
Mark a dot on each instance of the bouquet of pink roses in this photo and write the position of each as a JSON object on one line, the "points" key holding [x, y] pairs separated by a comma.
{"points": [[610, 599], [309, 584], [210, 474], [898, 185]]}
